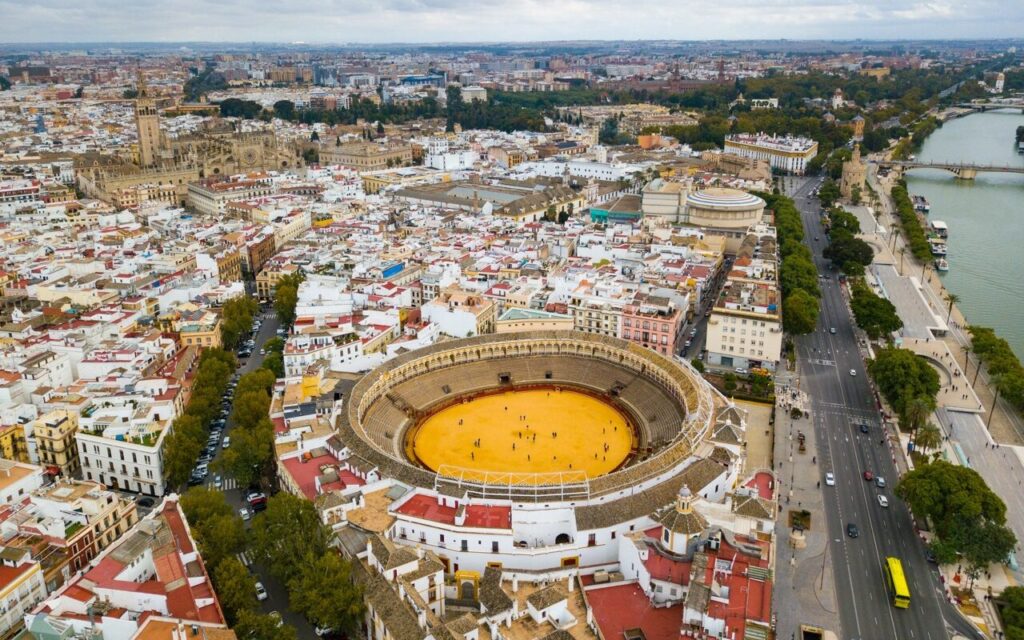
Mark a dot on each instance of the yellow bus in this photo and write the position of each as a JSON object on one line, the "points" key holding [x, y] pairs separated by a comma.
{"points": [[897, 583]]}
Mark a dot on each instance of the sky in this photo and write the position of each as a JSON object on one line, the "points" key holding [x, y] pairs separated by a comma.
{"points": [[377, 21]]}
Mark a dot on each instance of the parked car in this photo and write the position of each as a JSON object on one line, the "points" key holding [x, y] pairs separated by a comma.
{"points": [[226, 443], [261, 593]]}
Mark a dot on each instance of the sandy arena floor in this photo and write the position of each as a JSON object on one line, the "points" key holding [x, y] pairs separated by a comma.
{"points": [[526, 431]]}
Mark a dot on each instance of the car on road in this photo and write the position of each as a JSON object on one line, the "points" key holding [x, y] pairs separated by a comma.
{"points": [[226, 443], [853, 372], [815, 238], [218, 481], [883, 501], [830, 479], [261, 593], [263, 351], [277, 618], [740, 371], [832, 330], [868, 475], [323, 631], [688, 343], [693, 332], [145, 502], [244, 513], [852, 530], [864, 428], [880, 482]]}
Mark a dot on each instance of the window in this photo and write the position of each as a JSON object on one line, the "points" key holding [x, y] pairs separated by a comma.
{"points": [[494, 546], [465, 545]]}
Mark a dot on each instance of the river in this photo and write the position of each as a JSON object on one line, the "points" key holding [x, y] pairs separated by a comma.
{"points": [[985, 218]]}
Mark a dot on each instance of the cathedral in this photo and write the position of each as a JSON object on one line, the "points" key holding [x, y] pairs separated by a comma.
{"points": [[166, 165]]}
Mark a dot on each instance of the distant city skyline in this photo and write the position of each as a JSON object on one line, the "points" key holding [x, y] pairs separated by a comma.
{"points": [[425, 21]]}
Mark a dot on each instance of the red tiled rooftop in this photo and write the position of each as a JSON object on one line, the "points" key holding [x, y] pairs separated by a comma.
{"points": [[486, 517], [627, 607], [662, 568], [305, 473], [764, 483]]}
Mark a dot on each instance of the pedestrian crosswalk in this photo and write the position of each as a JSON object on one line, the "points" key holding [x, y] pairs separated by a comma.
{"points": [[244, 558], [226, 484]]}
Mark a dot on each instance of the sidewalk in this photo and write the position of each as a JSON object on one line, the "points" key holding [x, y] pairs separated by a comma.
{"points": [[1005, 426], [811, 566]]}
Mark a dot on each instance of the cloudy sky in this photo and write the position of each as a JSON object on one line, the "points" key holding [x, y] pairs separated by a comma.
{"points": [[338, 21]]}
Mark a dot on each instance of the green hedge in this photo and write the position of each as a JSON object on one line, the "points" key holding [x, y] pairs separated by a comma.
{"points": [[912, 229]]}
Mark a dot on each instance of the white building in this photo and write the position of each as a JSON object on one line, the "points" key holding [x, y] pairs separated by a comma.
{"points": [[786, 153]]}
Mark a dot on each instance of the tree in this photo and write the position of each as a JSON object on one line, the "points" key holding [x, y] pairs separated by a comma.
{"points": [[902, 376], [828, 193], [798, 272], [250, 454], [217, 528], [928, 437], [236, 588], [236, 319], [274, 362], [284, 109], [874, 314], [1011, 608], [855, 194], [256, 626], [954, 499], [380, 128], [180, 453], [286, 534], [324, 593], [286, 296], [952, 299], [843, 248], [698, 364], [799, 312], [314, 137]]}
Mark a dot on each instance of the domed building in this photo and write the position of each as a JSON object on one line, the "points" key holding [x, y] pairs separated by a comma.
{"points": [[723, 211]]}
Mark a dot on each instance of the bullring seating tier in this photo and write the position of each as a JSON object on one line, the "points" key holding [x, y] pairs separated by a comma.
{"points": [[652, 388]]}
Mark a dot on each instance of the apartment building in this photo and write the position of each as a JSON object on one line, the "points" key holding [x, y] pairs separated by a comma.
{"points": [[367, 156], [81, 517], [121, 438], [22, 587], [211, 196], [461, 314], [18, 479], [153, 572], [786, 153], [744, 330], [652, 322], [54, 433]]}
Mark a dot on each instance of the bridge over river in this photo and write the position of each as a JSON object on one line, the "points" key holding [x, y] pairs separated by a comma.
{"points": [[963, 171]]}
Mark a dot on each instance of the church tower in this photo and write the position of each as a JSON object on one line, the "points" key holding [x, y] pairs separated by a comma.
{"points": [[147, 123]]}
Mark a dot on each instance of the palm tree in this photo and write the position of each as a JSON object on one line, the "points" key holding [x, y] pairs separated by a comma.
{"points": [[967, 359], [903, 250], [916, 412], [952, 299], [997, 380], [928, 437]]}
